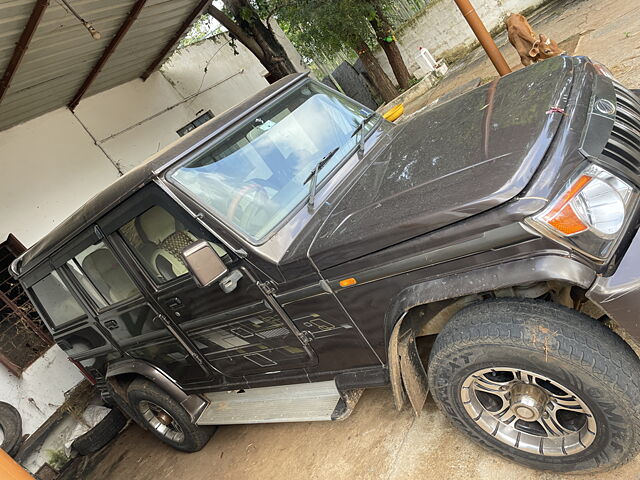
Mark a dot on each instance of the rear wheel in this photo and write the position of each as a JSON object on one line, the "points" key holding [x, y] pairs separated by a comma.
{"points": [[165, 418], [539, 384]]}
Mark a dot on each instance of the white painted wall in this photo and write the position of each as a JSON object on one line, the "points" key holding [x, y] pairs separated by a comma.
{"points": [[441, 28], [50, 166], [39, 392], [53, 164], [135, 120]]}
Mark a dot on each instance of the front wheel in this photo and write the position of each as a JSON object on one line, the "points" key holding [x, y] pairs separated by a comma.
{"points": [[540, 384]]}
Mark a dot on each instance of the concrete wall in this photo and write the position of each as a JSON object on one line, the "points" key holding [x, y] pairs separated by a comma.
{"points": [[50, 166], [39, 392], [53, 164], [441, 28]]}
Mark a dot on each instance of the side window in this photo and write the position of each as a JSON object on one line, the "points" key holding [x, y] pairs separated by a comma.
{"points": [[57, 301], [101, 276], [157, 239]]}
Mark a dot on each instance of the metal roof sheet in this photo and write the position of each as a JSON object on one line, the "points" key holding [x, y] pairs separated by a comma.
{"points": [[62, 53]]}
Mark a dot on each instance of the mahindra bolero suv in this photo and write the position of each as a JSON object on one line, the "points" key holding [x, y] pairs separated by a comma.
{"points": [[299, 248]]}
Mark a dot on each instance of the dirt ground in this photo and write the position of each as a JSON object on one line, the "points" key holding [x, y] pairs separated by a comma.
{"points": [[377, 442], [607, 31]]}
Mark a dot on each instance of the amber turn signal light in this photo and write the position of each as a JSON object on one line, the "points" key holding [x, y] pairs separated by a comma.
{"points": [[347, 282], [562, 216]]}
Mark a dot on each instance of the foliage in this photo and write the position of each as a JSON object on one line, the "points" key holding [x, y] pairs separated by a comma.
{"points": [[57, 459], [326, 27], [317, 28], [204, 27]]}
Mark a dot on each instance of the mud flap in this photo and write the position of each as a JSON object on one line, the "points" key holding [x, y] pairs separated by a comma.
{"points": [[408, 376], [414, 377], [395, 375]]}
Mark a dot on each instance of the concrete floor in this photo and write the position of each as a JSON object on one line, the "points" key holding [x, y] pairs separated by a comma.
{"points": [[377, 442]]}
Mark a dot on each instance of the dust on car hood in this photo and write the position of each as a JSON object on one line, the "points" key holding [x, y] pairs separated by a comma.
{"points": [[464, 157]]}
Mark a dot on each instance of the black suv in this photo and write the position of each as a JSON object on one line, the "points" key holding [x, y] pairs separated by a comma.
{"points": [[287, 254]]}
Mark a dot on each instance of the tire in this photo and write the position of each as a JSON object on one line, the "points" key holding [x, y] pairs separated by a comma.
{"points": [[578, 375], [11, 425], [165, 418], [100, 435]]}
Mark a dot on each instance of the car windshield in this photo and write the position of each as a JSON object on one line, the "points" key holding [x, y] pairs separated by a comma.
{"points": [[260, 172]]}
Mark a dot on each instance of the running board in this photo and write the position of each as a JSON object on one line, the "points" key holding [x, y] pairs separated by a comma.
{"points": [[306, 402]]}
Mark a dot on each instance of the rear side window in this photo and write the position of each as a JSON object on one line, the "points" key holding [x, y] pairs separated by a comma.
{"points": [[57, 301], [102, 276], [86, 283]]}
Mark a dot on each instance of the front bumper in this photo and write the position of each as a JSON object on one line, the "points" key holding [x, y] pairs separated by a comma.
{"points": [[619, 294]]}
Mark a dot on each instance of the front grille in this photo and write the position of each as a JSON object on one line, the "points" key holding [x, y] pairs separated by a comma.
{"points": [[623, 146]]}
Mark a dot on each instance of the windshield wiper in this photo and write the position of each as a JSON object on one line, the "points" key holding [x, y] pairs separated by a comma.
{"points": [[359, 128], [313, 176]]}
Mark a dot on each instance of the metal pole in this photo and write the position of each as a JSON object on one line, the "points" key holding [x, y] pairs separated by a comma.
{"points": [[472, 18]]}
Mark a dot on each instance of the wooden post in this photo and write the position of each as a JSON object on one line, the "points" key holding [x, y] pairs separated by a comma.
{"points": [[472, 18]]}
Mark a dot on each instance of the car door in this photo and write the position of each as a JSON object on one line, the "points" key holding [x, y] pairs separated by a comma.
{"points": [[238, 332], [123, 311], [72, 327]]}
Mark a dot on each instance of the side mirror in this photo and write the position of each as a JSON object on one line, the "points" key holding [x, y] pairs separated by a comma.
{"points": [[204, 263]]}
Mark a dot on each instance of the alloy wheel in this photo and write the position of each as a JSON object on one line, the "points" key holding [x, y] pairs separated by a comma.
{"points": [[161, 421], [528, 411]]}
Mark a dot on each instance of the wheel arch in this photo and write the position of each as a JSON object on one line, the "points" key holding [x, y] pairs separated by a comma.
{"points": [[119, 375], [408, 315]]}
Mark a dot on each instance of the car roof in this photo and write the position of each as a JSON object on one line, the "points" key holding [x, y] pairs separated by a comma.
{"points": [[110, 197]]}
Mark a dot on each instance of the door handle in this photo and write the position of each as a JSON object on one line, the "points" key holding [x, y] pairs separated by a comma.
{"points": [[111, 324], [229, 283], [174, 303]]}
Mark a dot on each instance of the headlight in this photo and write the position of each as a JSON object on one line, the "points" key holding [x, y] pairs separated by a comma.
{"points": [[590, 213]]}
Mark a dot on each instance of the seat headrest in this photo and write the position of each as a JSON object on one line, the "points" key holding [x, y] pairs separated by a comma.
{"points": [[156, 224], [99, 263], [102, 267]]}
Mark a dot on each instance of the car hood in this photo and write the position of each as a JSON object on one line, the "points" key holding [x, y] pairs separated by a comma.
{"points": [[459, 159]]}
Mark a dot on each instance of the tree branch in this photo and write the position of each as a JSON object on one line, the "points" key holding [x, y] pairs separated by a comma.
{"points": [[235, 30]]}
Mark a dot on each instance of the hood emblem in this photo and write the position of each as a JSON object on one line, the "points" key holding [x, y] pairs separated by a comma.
{"points": [[605, 106]]}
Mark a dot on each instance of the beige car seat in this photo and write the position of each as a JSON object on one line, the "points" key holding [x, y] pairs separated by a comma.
{"points": [[164, 240], [108, 276]]}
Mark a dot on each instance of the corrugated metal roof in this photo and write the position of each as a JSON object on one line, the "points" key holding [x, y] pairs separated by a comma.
{"points": [[62, 52]]}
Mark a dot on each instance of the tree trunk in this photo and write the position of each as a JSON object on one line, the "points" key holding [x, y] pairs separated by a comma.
{"points": [[274, 57], [380, 79], [234, 29], [383, 30]]}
